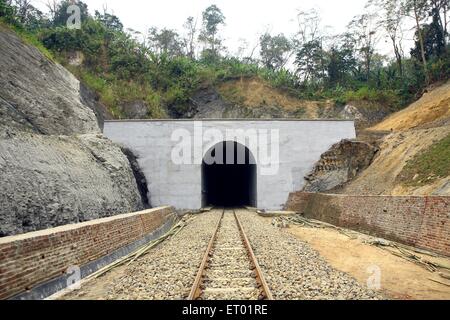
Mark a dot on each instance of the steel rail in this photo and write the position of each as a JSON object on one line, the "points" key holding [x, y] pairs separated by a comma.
{"points": [[259, 274], [196, 291]]}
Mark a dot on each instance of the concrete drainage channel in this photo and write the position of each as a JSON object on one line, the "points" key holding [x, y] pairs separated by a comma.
{"points": [[140, 248], [58, 285], [38, 264]]}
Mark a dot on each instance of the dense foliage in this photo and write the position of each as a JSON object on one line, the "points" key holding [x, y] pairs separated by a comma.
{"points": [[164, 68]]}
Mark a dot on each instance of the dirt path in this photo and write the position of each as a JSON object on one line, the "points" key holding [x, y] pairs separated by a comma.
{"points": [[400, 279]]}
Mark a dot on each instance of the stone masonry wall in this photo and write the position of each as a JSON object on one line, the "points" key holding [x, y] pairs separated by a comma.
{"points": [[419, 221], [31, 259]]}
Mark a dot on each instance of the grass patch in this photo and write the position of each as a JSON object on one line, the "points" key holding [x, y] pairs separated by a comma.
{"points": [[385, 97], [428, 166], [114, 92], [300, 113], [232, 94]]}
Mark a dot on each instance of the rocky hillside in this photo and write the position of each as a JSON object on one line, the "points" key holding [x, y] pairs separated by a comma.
{"points": [[342, 163], [413, 157], [55, 166], [253, 97]]}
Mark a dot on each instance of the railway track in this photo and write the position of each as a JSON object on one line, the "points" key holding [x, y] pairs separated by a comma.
{"points": [[229, 269]]}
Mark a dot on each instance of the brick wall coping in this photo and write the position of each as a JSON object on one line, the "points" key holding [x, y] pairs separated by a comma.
{"points": [[73, 226], [343, 195], [419, 221], [34, 265]]}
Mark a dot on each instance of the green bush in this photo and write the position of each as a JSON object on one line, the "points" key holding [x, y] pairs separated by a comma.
{"points": [[155, 109], [440, 68], [386, 96], [7, 13]]}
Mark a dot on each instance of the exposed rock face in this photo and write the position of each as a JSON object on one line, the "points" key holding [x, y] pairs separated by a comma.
{"points": [[339, 165], [365, 114], [135, 109], [55, 180], [40, 91], [141, 180], [350, 112], [91, 99], [207, 103], [55, 166]]}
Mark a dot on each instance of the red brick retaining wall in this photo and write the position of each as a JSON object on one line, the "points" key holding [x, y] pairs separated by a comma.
{"points": [[30, 259], [419, 221]]}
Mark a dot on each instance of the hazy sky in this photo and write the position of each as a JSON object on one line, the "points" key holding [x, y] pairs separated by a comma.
{"points": [[245, 19]]}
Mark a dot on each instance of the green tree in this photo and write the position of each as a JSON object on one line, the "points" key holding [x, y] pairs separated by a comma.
{"points": [[22, 13], [391, 22], [310, 55], [190, 26], [23, 8], [417, 9], [110, 21], [213, 18], [364, 30], [165, 41], [439, 12], [7, 11], [310, 61], [341, 61], [275, 51], [434, 43]]}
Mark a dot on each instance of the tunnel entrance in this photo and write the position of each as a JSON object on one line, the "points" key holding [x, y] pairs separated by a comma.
{"points": [[229, 176]]}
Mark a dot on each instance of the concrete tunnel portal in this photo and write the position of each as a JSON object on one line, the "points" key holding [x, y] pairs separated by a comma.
{"points": [[191, 184], [229, 176]]}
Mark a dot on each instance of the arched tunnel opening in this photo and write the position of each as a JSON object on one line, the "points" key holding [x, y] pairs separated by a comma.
{"points": [[229, 176]]}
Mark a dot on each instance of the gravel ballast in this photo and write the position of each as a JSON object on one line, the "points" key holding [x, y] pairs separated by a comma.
{"points": [[229, 273], [293, 270]]}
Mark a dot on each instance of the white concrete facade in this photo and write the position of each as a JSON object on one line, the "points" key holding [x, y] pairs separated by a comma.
{"points": [[301, 143]]}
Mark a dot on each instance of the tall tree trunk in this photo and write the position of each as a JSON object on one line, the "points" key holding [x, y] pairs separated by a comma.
{"points": [[438, 5], [422, 46], [398, 56], [445, 9], [368, 63], [191, 48]]}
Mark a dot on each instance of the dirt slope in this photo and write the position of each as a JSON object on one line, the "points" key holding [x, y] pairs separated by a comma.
{"points": [[396, 150], [415, 131], [255, 93], [433, 107]]}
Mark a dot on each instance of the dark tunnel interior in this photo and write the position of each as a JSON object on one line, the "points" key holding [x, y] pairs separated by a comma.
{"points": [[230, 181]]}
